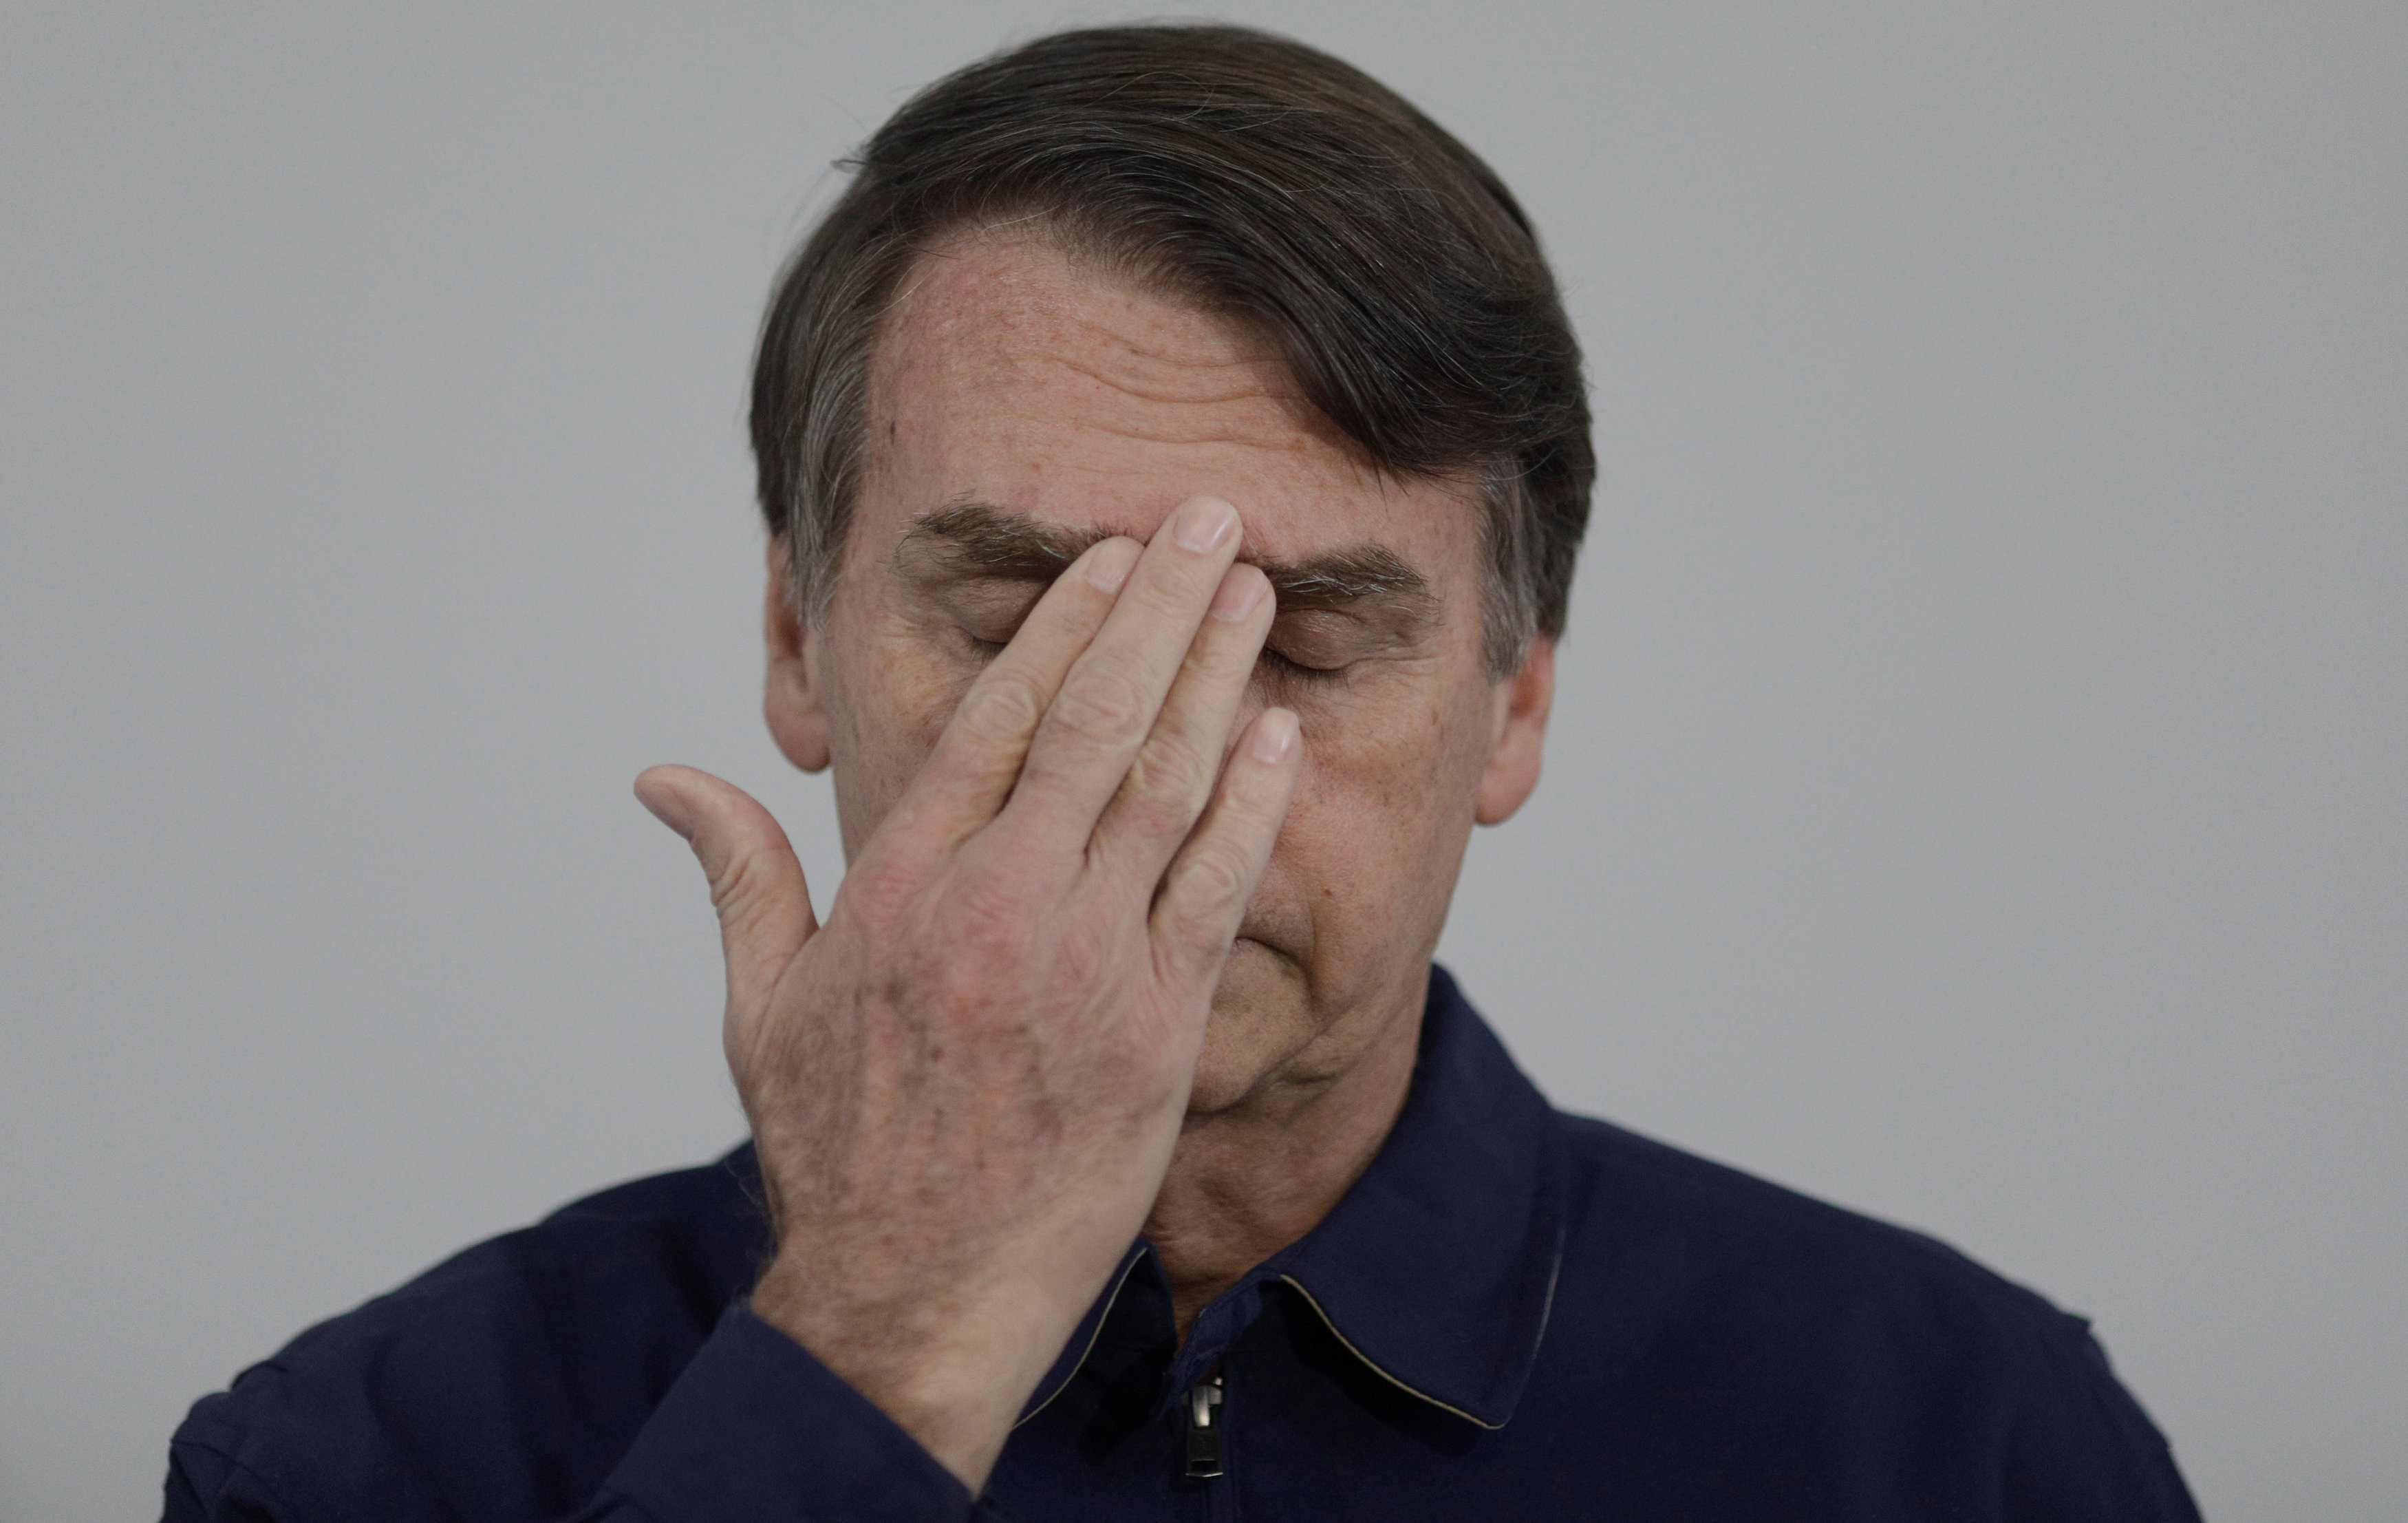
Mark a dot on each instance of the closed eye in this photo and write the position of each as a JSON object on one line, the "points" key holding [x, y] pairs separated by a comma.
{"points": [[1282, 667], [1287, 669], [988, 612]]}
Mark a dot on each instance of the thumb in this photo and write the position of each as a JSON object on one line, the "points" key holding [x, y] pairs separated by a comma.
{"points": [[756, 884]]}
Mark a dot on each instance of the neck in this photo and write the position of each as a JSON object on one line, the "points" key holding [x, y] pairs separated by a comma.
{"points": [[1247, 1180]]}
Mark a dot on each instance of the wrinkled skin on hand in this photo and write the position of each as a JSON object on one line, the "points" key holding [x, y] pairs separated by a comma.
{"points": [[965, 1086]]}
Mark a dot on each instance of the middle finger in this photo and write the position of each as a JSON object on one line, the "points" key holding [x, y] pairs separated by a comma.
{"points": [[1106, 702]]}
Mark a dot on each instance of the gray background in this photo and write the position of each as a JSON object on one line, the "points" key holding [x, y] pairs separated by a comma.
{"points": [[1976, 795]]}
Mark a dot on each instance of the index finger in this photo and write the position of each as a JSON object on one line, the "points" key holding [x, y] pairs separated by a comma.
{"points": [[976, 759]]}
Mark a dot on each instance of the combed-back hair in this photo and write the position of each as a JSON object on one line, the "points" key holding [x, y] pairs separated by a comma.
{"points": [[1268, 183]]}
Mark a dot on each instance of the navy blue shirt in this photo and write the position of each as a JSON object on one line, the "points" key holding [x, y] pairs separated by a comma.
{"points": [[1514, 1314]]}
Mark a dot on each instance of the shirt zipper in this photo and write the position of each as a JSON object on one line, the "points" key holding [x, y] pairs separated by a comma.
{"points": [[1203, 1407]]}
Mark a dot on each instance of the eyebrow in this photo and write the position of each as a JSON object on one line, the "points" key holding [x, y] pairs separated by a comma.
{"points": [[981, 536]]}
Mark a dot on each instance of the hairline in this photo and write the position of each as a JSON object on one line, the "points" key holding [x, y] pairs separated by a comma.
{"points": [[1508, 620]]}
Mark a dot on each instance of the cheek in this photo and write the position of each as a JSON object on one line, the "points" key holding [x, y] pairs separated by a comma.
{"points": [[896, 696], [1381, 808], [1414, 758]]}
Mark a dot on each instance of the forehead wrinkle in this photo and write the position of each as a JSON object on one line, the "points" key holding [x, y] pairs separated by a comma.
{"points": [[1119, 318], [1142, 345], [994, 313], [1203, 436], [1258, 387]]}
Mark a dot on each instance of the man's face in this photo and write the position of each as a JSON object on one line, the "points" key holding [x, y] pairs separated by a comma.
{"points": [[1022, 405]]}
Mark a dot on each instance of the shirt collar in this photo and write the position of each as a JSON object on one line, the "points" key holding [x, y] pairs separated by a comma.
{"points": [[1437, 1267]]}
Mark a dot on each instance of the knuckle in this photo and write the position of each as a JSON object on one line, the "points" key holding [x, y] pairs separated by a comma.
{"points": [[1152, 816], [1220, 875], [1229, 656], [1002, 708], [737, 884], [1166, 597], [1088, 955], [1168, 768], [1100, 707]]}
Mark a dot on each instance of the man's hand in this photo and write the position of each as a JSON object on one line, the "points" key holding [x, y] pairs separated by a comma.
{"points": [[966, 1086]]}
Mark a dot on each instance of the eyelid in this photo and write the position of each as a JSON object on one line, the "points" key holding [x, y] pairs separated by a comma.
{"points": [[1335, 640], [988, 602], [1288, 667], [1340, 628]]}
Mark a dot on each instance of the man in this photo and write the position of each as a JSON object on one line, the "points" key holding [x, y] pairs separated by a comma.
{"points": [[1174, 455]]}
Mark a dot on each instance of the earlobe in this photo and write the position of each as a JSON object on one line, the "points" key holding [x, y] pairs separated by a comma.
{"points": [[790, 699], [1518, 734]]}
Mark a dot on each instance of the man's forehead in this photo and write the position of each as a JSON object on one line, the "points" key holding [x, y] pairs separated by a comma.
{"points": [[1065, 404], [1019, 293], [1013, 345]]}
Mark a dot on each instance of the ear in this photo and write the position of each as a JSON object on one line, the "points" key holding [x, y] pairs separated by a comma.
{"points": [[791, 702], [1518, 732]]}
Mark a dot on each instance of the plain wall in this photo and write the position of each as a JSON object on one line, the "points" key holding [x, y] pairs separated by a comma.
{"points": [[1976, 795]]}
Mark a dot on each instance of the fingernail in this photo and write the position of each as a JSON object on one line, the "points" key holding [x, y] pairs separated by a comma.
{"points": [[1203, 523], [1274, 735], [1109, 564], [1241, 588]]}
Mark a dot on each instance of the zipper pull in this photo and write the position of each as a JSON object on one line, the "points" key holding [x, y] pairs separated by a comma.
{"points": [[1203, 1400]]}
